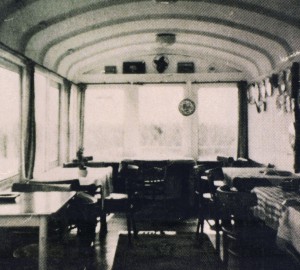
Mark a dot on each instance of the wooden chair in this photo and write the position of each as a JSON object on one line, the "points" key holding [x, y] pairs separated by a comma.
{"points": [[124, 202], [242, 235], [153, 175], [207, 204], [227, 161]]}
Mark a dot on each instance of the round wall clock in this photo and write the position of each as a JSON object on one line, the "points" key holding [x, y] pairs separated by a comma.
{"points": [[187, 107]]}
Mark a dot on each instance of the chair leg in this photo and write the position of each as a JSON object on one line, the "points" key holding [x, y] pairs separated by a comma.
{"points": [[225, 250], [200, 225], [197, 229], [217, 224], [103, 227], [128, 219], [135, 232]]}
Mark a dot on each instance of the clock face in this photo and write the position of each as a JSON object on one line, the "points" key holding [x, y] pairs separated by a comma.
{"points": [[187, 107]]}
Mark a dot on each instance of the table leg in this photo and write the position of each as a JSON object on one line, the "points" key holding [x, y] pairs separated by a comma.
{"points": [[43, 243]]}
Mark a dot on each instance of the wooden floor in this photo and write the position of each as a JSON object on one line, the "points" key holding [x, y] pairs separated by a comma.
{"points": [[100, 255]]}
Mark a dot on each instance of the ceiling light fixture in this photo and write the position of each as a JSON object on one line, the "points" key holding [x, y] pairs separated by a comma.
{"points": [[166, 2], [166, 39]]}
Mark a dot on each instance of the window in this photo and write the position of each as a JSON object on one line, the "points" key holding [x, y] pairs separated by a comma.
{"points": [[104, 121], [160, 123], [10, 96], [47, 103], [52, 136], [73, 122], [217, 121]]}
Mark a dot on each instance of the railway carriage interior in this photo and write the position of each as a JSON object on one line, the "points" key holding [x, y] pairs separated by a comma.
{"points": [[150, 133]]}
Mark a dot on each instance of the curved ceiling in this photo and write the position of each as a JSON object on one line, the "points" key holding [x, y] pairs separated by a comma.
{"points": [[245, 39]]}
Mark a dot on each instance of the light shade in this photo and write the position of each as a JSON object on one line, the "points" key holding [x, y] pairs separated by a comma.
{"points": [[165, 1], [166, 38]]}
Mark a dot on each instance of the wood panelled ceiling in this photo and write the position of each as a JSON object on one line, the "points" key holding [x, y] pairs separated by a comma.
{"points": [[242, 39]]}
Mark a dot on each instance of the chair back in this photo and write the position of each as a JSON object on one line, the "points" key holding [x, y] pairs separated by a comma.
{"points": [[200, 185], [153, 177], [30, 187], [130, 174], [71, 165], [235, 204], [96, 164], [74, 183], [214, 175], [226, 161], [210, 164], [85, 159]]}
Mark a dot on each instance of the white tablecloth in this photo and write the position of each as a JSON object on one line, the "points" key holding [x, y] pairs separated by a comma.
{"points": [[97, 176], [289, 228], [278, 209], [271, 204]]}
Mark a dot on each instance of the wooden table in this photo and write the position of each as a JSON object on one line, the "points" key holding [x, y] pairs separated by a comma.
{"points": [[32, 209]]}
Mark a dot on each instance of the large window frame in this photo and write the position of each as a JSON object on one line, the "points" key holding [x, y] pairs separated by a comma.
{"points": [[217, 126], [134, 147], [11, 109], [48, 122], [161, 126], [108, 115]]}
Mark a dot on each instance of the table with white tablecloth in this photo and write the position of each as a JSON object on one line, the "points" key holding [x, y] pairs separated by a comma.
{"points": [[288, 232], [280, 210], [271, 203]]}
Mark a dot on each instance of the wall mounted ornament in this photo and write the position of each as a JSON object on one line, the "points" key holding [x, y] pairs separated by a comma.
{"points": [[288, 82], [187, 107], [250, 94], [161, 63], [268, 86]]}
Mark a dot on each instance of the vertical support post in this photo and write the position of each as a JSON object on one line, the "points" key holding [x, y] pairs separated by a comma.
{"points": [[43, 243], [243, 120], [295, 95]]}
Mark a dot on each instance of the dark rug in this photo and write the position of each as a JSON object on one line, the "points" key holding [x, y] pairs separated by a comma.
{"points": [[167, 252]]}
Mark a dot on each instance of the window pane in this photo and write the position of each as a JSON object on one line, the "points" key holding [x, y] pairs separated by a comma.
{"points": [[218, 119], [53, 124], [73, 122], [47, 123], [160, 122], [9, 123], [103, 125], [40, 119]]}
